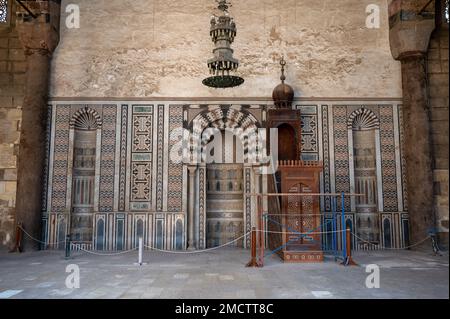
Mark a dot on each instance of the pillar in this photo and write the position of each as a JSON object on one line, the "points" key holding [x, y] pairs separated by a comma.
{"points": [[409, 38], [39, 37], [191, 213]]}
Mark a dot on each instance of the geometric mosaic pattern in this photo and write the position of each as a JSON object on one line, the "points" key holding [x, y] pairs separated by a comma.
{"points": [[3, 11], [201, 206], [141, 156], [107, 164], [388, 159], [403, 161], [140, 181], [48, 131], [175, 176], [60, 161], [123, 156], [136, 163], [309, 131], [341, 162], [160, 159], [326, 157], [248, 206]]}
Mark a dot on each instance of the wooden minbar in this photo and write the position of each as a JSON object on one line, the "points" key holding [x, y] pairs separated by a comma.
{"points": [[291, 219], [300, 213]]}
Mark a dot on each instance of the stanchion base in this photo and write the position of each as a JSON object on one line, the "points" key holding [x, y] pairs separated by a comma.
{"points": [[349, 262], [253, 264], [138, 264]]}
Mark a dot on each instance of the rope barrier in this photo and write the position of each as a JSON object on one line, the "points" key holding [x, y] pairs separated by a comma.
{"points": [[111, 254], [227, 244], [387, 248], [296, 233], [198, 251], [39, 241]]}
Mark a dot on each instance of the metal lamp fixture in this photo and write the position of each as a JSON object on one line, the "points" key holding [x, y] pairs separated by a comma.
{"points": [[223, 32]]}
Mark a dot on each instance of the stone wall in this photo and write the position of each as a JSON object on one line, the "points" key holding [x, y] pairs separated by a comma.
{"points": [[439, 102], [12, 80], [155, 48]]}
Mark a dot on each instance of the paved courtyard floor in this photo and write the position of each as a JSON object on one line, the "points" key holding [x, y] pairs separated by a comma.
{"points": [[221, 274]]}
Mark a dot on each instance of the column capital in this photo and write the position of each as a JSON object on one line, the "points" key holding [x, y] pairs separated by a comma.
{"points": [[39, 34], [257, 170], [192, 170], [409, 29]]}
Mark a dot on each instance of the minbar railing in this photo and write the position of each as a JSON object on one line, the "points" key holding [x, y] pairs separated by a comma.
{"points": [[299, 163]]}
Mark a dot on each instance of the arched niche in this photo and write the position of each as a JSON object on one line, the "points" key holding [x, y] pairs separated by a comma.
{"points": [[233, 182], [287, 143], [365, 174], [85, 129]]}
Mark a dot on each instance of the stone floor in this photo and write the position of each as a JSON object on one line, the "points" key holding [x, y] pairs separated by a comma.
{"points": [[221, 274]]}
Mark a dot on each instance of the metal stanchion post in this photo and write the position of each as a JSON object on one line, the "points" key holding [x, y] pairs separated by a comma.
{"points": [[18, 244], [140, 251], [67, 247], [344, 244], [253, 262], [348, 261]]}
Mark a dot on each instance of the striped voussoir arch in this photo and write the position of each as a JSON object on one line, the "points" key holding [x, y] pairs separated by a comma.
{"points": [[243, 124]]}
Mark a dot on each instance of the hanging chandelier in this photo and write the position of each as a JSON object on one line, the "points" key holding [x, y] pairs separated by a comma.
{"points": [[223, 32]]}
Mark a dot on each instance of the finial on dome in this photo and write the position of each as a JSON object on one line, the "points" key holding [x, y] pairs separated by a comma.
{"points": [[283, 64], [283, 94]]}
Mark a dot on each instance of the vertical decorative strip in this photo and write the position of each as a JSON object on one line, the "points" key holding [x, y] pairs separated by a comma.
{"points": [[388, 159], [117, 157], [248, 205], [202, 207], [106, 200], [175, 177], [48, 132], [160, 159], [326, 157], [341, 153], [60, 158], [142, 157], [309, 140], [398, 162], [123, 156], [403, 162]]}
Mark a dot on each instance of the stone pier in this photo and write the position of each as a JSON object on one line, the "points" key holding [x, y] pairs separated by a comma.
{"points": [[39, 37], [409, 39]]}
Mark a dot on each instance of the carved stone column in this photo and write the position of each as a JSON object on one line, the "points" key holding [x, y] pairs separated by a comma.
{"points": [[39, 37], [409, 38], [191, 213]]}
